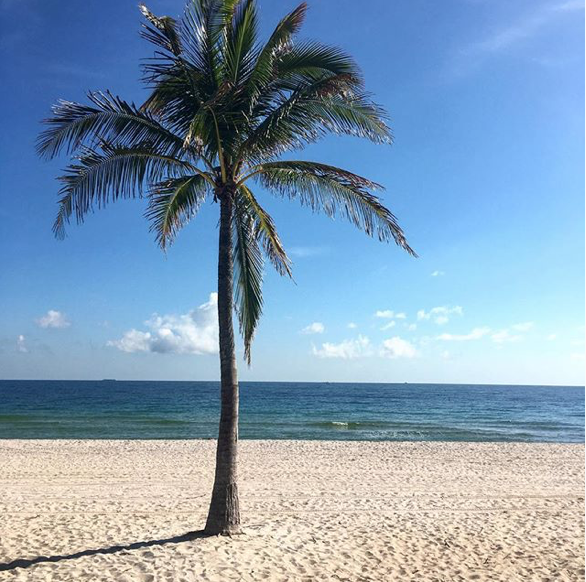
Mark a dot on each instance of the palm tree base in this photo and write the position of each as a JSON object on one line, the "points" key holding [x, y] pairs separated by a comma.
{"points": [[224, 513]]}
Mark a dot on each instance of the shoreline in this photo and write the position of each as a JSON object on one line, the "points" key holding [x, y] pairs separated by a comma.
{"points": [[312, 510]]}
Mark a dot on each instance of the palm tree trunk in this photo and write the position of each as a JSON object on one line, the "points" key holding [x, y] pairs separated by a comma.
{"points": [[224, 512]]}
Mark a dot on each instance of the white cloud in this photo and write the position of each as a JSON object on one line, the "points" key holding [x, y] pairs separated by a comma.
{"points": [[475, 334], [502, 39], [499, 337], [346, 350], [389, 314], [134, 341], [411, 327], [508, 335], [315, 327], [551, 337], [446, 355], [526, 326], [195, 332], [386, 314], [54, 319], [503, 336], [440, 314], [397, 347], [352, 325], [526, 27], [438, 274], [21, 344], [388, 325]]}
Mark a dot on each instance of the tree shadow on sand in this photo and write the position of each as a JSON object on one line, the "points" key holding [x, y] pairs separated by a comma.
{"points": [[25, 563]]}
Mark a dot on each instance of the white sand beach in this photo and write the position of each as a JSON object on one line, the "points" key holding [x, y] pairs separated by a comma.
{"points": [[353, 511]]}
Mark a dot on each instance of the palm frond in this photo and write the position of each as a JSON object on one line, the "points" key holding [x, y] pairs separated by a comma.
{"points": [[162, 32], [201, 28], [248, 267], [293, 67], [331, 190], [265, 231], [310, 57], [98, 177], [172, 203], [327, 105], [241, 34], [110, 119], [352, 115], [177, 98], [279, 41], [179, 86]]}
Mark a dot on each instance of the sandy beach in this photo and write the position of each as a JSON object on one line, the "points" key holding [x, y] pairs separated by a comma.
{"points": [[312, 510]]}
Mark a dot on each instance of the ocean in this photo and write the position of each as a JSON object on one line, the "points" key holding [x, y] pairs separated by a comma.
{"points": [[289, 410]]}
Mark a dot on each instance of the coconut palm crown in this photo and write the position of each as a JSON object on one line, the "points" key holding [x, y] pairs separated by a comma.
{"points": [[222, 109]]}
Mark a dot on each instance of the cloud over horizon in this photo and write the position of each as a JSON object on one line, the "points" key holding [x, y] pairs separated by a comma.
{"points": [[53, 319], [361, 347], [505, 335], [312, 328], [390, 314], [195, 332], [346, 350], [475, 334], [21, 344], [397, 347], [440, 314]]}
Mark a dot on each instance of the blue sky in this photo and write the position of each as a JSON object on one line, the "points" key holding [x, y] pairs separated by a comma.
{"points": [[486, 176]]}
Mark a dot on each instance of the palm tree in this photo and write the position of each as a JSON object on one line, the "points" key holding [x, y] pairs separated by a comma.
{"points": [[221, 110]]}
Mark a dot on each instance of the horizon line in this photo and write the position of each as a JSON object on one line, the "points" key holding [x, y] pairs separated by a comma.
{"points": [[299, 382]]}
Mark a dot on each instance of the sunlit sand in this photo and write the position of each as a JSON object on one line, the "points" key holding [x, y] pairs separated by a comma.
{"points": [[352, 511]]}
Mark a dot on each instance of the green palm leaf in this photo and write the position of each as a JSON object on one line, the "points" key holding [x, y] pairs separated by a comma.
{"points": [[265, 231], [326, 105], [110, 120], [248, 267], [314, 58], [172, 203], [279, 41], [333, 190], [201, 30], [162, 31], [99, 177], [241, 35]]}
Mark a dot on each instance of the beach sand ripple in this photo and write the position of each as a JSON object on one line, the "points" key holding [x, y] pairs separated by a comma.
{"points": [[312, 510]]}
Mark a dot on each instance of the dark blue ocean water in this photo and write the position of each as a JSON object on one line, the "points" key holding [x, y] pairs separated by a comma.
{"points": [[283, 410]]}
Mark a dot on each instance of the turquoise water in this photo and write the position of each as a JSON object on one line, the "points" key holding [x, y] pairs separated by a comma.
{"points": [[283, 410]]}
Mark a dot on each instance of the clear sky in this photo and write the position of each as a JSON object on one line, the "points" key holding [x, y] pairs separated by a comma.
{"points": [[486, 176]]}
